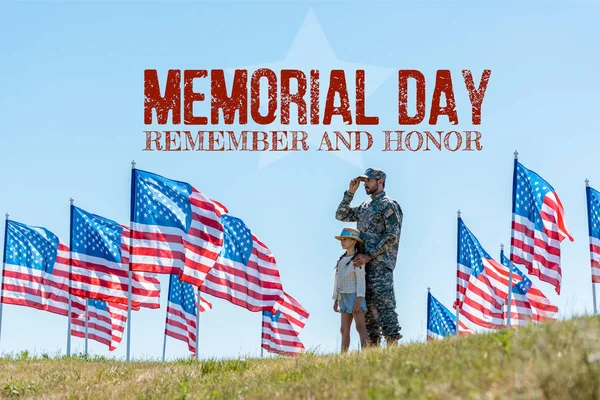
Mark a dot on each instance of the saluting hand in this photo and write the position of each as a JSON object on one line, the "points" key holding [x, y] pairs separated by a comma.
{"points": [[353, 185]]}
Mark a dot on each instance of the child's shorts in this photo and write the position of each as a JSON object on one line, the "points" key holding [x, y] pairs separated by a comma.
{"points": [[347, 303]]}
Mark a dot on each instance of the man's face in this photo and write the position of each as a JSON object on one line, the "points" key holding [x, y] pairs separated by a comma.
{"points": [[371, 185]]}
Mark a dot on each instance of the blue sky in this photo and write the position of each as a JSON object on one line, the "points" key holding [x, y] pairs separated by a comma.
{"points": [[71, 75]]}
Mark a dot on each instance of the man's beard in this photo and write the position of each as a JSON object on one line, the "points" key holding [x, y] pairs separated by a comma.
{"points": [[369, 191]]}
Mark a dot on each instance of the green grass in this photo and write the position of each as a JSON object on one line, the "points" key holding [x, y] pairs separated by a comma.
{"points": [[552, 361]]}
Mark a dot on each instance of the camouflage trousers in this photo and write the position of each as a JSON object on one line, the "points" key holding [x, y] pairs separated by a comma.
{"points": [[381, 317]]}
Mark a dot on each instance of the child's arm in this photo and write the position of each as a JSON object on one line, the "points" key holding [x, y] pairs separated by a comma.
{"points": [[360, 287], [335, 286], [360, 281], [335, 303]]}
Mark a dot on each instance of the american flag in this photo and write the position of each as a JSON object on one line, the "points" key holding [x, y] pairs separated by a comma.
{"points": [[36, 272], [279, 336], [294, 312], [100, 263], [482, 283], [106, 321], [593, 207], [246, 272], [538, 226], [176, 229], [280, 330], [527, 301], [181, 312], [441, 322]]}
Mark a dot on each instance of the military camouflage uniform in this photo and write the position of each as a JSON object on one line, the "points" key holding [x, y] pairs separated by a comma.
{"points": [[379, 222]]}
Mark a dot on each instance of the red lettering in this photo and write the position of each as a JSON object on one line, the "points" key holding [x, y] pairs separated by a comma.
{"points": [[255, 96], [361, 119], [171, 140], [337, 84], [189, 96], [277, 141], [215, 139], [443, 84], [314, 96], [156, 140], [327, 142], [458, 141], [302, 140], [256, 140], [436, 142], [403, 77], [407, 140], [389, 140], [297, 98], [471, 140], [476, 95], [357, 135], [234, 143], [171, 100], [238, 101], [190, 143]]}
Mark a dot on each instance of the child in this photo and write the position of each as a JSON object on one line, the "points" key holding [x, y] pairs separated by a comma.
{"points": [[349, 289]]}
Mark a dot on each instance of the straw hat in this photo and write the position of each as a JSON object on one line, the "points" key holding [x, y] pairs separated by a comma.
{"points": [[350, 233]]}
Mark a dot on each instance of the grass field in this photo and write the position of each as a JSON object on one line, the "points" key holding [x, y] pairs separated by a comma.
{"points": [[553, 361]]}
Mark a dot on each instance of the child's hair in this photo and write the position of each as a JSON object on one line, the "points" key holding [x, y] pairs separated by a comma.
{"points": [[358, 248]]}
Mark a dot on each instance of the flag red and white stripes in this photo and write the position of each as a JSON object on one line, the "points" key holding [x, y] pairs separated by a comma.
{"points": [[482, 303], [255, 286], [101, 279], [533, 306], [181, 325], [106, 321], [48, 291], [464, 330], [182, 309], [541, 308], [295, 313], [520, 310], [593, 212], [482, 282], [175, 228], [538, 226], [280, 331], [595, 258]]}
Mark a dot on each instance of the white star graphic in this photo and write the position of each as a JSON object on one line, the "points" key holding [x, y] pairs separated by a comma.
{"points": [[311, 50]]}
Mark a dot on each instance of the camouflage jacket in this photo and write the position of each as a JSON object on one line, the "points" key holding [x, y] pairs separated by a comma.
{"points": [[379, 222]]}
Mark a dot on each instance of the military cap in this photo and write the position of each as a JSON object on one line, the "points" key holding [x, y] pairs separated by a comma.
{"points": [[374, 173]]}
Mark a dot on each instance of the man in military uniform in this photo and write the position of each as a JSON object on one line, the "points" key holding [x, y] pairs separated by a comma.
{"points": [[379, 222]]}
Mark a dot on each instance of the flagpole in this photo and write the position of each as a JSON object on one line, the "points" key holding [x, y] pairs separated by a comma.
{"points": [[166, 317], [3, 268], [70, 272], [427, 322], [510, 266], [197, 325], [130, 258], [510, 270], [262, 351], [457, 269], [164, 344], [86, 326], [587, 195]]}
